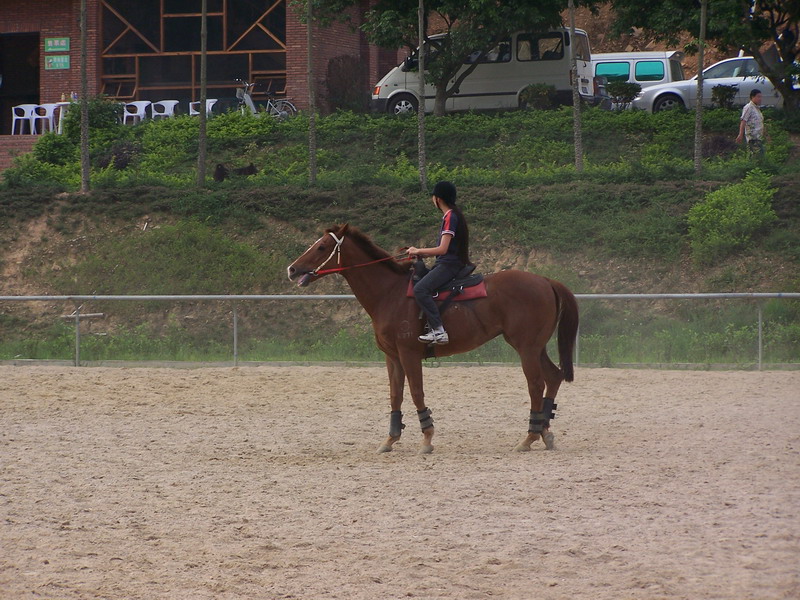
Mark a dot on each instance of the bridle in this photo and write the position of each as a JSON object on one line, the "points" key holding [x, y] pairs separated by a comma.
{"points": [[337, 251]]}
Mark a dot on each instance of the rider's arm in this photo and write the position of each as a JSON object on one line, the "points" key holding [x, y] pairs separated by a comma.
{"points": [[444, 244]]}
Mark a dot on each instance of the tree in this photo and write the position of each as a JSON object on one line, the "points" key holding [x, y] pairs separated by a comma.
{"points": [[769, 30], [202, 136], [476, 26], [84, 102]]}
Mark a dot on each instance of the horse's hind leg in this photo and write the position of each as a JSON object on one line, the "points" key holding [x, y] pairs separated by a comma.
{"points": [[553, 378], [532, 367]]}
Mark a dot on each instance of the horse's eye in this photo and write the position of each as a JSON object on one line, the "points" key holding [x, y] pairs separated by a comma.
{"points": [[321, 248]]}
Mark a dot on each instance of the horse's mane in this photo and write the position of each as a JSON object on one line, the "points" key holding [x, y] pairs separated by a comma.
{"points": [[372, 250]]}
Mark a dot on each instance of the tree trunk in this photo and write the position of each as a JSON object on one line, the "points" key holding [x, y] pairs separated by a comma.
{"points": [[312, 101], [698, 115], [576, 97], [423, 169], [85, 168], [440, 101], [202, 139]]}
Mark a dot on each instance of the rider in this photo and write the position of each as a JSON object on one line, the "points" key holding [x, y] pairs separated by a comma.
{"points": [[452, 255]]}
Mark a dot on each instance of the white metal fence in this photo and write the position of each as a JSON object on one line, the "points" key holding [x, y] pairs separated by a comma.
{"points": [[78, 301]]}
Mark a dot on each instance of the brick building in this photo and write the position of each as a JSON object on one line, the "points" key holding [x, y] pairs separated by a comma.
{"points": [[150, 50]]}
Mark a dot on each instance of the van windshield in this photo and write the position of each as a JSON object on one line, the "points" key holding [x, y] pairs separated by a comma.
{"points": [[432, 48]]}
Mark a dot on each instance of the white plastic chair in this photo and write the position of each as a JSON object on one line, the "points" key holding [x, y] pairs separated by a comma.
{"points": [[46, 113], [193, 106], [135, 111], [163, 108], [26, 113]]}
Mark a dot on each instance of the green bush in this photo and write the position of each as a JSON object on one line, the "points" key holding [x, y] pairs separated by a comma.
{"points": [[724, 95], [622, 93], [540, 96], [728, 218], [103, 114], [55, 149]]}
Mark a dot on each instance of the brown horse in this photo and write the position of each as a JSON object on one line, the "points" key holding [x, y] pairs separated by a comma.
{"points": [[523, 307]]}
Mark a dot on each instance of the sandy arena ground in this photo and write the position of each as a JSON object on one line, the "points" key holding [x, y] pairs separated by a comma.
{"points": [[265, 483]]}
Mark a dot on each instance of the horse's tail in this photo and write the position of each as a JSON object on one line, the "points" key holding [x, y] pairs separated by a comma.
{"points": [[567, 327]]}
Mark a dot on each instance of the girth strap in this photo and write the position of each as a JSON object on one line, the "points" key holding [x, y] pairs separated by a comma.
{"points": [[425, 419], [541, 419]]}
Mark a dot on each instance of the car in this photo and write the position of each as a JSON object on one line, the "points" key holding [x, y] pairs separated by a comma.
{"points": [[522, 59], [645, 68], [742, 72]]}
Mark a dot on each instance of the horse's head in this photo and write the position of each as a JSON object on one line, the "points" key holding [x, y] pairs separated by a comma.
{"points": [[323, 254]]}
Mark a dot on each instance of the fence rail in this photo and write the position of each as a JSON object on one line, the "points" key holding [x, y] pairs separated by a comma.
{"points": [[760, 297]]}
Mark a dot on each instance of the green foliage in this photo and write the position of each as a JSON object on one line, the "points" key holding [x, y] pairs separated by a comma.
{"points": [[28, 172], [540, 96], [724, 96], [728, 218], [103, 114], [55, 149], [622, 93]]}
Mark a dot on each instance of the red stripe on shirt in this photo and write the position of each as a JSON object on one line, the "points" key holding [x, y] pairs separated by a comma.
{"points": [[446, 227]]}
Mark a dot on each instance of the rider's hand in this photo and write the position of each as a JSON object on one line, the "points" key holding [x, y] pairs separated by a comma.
{"points": [[412, 251]]}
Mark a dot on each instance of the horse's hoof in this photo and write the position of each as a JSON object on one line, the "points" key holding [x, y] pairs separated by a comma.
{"points": [[549, 440], [426, 449], [384, 448], [522, 448]]}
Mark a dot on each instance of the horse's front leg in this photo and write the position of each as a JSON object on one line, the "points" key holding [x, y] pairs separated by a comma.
{"points": [[413, 369], [397, 378]]}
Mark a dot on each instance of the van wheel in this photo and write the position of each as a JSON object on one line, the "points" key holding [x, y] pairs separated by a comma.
{"points": [[402, 104], [668, 102]]}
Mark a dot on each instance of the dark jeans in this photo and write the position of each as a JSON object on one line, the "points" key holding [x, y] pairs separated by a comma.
{"points": [[425, 287]]}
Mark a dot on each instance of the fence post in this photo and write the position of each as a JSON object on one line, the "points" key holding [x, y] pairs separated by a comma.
{"points": [[77, 335], [760, 335], [235, 336], [578, 346]]}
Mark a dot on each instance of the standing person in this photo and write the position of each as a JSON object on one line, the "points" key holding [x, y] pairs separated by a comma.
{"points": [[452, 255], [751, 125]]}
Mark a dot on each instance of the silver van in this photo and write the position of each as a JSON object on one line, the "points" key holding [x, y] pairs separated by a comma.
{"points": [[502, 73], [644, 68]]}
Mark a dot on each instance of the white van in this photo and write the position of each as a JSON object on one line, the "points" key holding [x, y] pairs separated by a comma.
{"points": [[502, 73], [644, 68]]}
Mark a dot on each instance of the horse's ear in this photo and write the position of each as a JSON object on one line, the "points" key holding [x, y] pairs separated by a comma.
{"points": [[342, 229]]}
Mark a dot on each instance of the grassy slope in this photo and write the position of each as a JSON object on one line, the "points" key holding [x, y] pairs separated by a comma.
{"points": [[619, 228]]}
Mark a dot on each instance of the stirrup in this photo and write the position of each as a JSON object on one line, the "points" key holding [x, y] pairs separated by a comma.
{"points": [[433, 337]]}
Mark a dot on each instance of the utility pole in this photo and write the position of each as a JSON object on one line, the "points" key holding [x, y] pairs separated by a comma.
{"points": [[312, 100], [202, 138], [85, 168], [423, 169], [576, 97], [698, 115]]}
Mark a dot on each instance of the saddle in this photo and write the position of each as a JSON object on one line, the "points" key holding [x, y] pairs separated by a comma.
{"points": [[466, 285]]}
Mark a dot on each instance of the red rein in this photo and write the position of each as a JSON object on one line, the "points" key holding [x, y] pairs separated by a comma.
{"points": [[372, 262]]}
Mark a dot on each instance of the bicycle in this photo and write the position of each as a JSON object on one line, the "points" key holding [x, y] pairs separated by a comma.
{"points": [[279, 109]]}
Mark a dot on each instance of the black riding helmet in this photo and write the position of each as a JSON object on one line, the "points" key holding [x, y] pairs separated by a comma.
{"points": [[446, 191]]}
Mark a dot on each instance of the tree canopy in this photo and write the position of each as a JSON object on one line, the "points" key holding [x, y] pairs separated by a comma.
{"points": [[477, 25], [769, 30]]}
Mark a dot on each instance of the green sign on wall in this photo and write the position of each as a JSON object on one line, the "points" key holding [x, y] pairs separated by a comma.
{"points": [[56, 62], [60, 44]]}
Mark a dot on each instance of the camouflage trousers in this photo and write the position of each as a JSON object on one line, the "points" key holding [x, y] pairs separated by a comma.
{"points": [[756, 148]]}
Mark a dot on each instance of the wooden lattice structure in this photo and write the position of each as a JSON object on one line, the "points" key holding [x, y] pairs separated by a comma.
{"points": [[150, 49]]}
